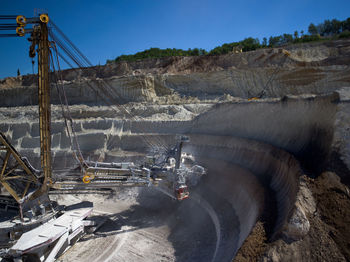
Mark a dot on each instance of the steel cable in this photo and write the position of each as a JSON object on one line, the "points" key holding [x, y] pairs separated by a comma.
{"points": [[71, 43], [106, 89], [7, 17], [77, 62], [8, 35], [67, 116], [64, 59]]}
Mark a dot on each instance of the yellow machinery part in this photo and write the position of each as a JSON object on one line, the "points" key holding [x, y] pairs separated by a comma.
{"points": [[86, 179], [28, 179], [287, 53], [44, 18], [20, 31], [253, 98], [21, 20]]}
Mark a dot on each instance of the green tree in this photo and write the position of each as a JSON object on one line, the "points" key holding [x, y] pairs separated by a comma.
{"points": [[327, 28], [250, 44], [286, 39], [195, 52], [336, 26], [264, 42], [216, 51], [312, 29], [344, 34], [202, 51], [346, 24], [275, 41], [310, 38], [296, 35]]}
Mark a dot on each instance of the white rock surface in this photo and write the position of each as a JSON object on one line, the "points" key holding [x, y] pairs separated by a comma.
{"points": [[298, 225]]}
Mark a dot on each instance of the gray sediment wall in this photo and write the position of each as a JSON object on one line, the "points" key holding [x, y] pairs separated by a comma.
{"points": [[259, 141], [200, 85]]}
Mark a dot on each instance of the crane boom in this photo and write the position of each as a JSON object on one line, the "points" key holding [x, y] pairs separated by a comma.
{"points": [[30, 187], [92, 175], [44, 102]]}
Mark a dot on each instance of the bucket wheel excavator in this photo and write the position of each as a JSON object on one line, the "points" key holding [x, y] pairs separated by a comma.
{"points": [[29, 188]]}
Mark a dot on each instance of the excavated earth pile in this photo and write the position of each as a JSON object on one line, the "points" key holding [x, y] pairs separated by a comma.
{"points": [[263, 157]]}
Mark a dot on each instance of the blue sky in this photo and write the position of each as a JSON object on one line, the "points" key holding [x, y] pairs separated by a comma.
{"points": [[106, 29]]}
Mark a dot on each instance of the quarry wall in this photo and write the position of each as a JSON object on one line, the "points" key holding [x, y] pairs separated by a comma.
{"points": [[265, 144]]}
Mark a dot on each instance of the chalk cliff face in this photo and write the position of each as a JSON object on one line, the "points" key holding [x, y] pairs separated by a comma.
{"points": [[258, 148], [306, 68]]}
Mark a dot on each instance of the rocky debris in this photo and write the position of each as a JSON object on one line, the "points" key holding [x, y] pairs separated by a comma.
{"points": [[254, 246], [333, 183], [298, 225], [333, 208], [305, 199], [327, 209]]}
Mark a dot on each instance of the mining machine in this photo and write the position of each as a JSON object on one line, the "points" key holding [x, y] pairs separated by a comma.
{"points": [[28, 188]]}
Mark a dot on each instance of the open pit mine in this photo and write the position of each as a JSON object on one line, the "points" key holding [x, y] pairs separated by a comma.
{"points": [[267, 129]]}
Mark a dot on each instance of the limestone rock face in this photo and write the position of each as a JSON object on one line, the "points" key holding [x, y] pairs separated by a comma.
{"points": [[298, 225], [305, 200], [310, 68]]}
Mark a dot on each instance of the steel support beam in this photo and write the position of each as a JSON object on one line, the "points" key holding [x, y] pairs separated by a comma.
{"points": [[44, 105]]}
